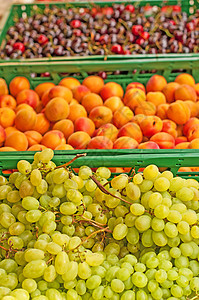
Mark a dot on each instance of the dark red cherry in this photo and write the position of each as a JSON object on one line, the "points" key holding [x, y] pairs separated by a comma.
{"points": [[137, 29], [117, 49], [19, 46], [130, 8], [75, 23]]}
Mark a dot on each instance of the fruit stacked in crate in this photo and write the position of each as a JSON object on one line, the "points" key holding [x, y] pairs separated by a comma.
{"points": [[90, 236], [99, 115]]}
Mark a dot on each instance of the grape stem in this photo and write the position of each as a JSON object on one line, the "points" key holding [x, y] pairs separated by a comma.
{"points": [[71, 161], [89, 236], [105, 191]]}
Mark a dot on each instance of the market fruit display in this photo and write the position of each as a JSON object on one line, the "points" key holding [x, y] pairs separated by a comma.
{"points": [[92, 236], [118, 30], [96, 114]]}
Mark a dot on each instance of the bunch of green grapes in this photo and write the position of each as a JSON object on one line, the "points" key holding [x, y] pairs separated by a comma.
{"points": [[69, 237]]}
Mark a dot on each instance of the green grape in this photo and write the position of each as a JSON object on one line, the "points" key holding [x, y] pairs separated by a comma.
{"points": [[159, 238], [98, 293], [20, 294], [161, 211], [180, 207], [145, 199], [182, 281], [9, 265], [137, 178], [120, 231], [84, 270], [157, 224], [140, 267], [133, 191], [7, 219], [176, 184], [174, 216], [70, 184], [71, 271], [117, 286], [13, 196], [181, 262], [143, 223], [154, 200], [94, 259], [81, 287], [141, 294], [24, 167], [176, 291], [53, 294], [112, 248], [186, 249], [161, 184], [35, 177], [175, 252], [194, 267], [157, 294], [26, 189], [132, 236], [137, 209], [53, 248], [112, 259], [161, 276], [146, 185], [151, 172], [42, 187], [167, 202], [70, 284], [129, 220], [8, 298], [68, 208], [183, 227], [30, 203], [74, 196], [33, 215], [152, 263], [59, 191], [45, 156], [60, 175], [111, 201], [139, 279], [16, 228], [103, 172], [147, 240], [185, 194], [93, 282], [78, 180], [42, 285], [190, 217], [15, 242], [30, 285], [119, 182], [50, 274], [85, 172], [167, 174], [9, 281], [4, 208], [121, 211], [34, 269], [152, 285], [170, 230], [33, 254]]}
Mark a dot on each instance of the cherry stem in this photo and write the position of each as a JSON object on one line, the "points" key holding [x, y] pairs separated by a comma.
{"points": [[71, 161], [102, 188]]}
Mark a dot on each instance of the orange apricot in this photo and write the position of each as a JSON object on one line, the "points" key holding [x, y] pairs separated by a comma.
{"points": [[8, 101], [7, 149], [70, 82], [137, 85], [94, 83], [108, 130], [100, 115], [8, 130], [85, 124], [60, 91], [33, 137], [18, 84], [29, 97], [161, 111], [23, 106], [114, 103], [183, 145], [90, 101], [169, 91], [178, 112], [64, 147], [122, 116], [185, 78], [36, 147], [100, 142], [156, 98], [17, 140], [134, 97], [125, 142], [42, 124], [7, 117], [57, 109], [111, 89], [65, 126], [42, 87], [79, 139], [185, 92], [3, 87], [156, 83], [193, 107], [25, 119], [53, 138], [79, 92], [132, 130], [76, 111], [146, 108]]}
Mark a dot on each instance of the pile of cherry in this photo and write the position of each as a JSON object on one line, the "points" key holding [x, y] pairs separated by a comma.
{"points": [[120, 29]]}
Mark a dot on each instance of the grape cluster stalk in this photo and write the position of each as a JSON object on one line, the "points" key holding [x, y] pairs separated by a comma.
{"points": [[91, 236]]}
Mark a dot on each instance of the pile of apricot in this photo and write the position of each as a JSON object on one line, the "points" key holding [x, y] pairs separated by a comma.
{"points": [[98, 115]]}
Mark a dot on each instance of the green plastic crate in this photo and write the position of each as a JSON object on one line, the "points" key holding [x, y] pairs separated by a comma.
{"points": [[134, 159], [166, 67], [18, 10]]}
